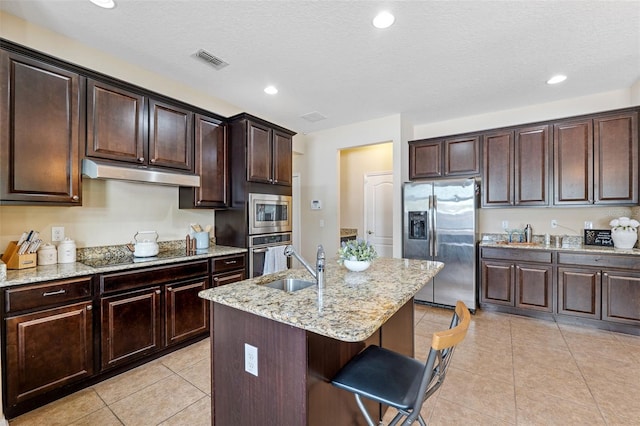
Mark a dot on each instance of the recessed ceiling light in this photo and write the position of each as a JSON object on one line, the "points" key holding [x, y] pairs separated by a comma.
{"points": [[383, 20], [270, 90], [107, 4], [557, 79]]}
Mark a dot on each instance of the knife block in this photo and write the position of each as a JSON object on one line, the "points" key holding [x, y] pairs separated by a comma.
{"points": [[18, 261]]}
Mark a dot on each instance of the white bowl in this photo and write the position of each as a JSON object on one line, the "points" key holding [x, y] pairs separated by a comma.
{"points": [[357, 265]]}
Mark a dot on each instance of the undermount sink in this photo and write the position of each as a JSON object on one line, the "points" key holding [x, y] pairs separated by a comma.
{"points": [[289, 284]]}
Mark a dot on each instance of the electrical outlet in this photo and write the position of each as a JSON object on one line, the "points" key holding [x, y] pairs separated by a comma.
{"points": [[588, 224], [505, 224], [57, 233], [554, 223], [251, 359]]}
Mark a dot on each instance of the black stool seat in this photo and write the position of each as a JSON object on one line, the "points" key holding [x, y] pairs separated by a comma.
{"points": [[383, 376], [402, 382]]}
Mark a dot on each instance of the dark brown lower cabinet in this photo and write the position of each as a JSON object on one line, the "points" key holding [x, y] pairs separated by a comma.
{"points": [[534, 287], [579, 292], [131, 326], [621, 297], [497, 282], [186, 314], [515, 280], [48, 349]]}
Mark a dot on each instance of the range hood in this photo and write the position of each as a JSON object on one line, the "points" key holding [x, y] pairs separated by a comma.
{"points": [[103, 170]]}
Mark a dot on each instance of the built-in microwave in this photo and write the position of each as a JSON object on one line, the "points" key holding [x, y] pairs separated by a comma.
{"points": [[269, 213]]}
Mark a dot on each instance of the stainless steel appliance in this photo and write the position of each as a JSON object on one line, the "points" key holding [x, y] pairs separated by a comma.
{"points": [[440, 223], [258, 247], [269, 213]]}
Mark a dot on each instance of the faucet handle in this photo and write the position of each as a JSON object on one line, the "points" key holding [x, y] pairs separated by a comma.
{"points": [[320, 253], [289, 251]]}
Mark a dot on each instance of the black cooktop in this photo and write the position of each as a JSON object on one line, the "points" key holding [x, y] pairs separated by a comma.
{"points": [[129, 260]]}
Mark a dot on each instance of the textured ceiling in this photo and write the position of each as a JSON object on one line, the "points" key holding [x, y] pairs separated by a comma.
{"points": [[441, 59]]}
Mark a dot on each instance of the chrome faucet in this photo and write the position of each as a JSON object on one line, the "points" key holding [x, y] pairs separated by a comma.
{"points": [[318, 273]]}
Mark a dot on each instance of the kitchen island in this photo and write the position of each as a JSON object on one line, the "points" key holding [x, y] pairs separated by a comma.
{"points": [[303, 338]]}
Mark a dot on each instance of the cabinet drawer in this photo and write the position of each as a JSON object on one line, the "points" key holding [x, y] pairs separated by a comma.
{"points": [[600, 260], [152, 276], [51, 293], [228, 263], [517, 254], [228, 278]]}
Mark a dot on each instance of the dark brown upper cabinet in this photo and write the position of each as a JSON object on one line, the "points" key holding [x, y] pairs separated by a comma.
{"points": [[438, 158], [41, 124], [263, 149], [596, 160], [126, 126], [211, 155], [516, 167]]}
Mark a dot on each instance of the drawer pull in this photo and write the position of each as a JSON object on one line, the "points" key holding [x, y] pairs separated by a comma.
{"points": [[54, 293], [230, 262]]}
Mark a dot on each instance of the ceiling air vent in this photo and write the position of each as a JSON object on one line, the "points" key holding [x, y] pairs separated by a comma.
{"points": [[314, 116], [212, 60]]}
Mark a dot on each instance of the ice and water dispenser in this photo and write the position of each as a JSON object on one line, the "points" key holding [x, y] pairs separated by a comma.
{"points": [[418, 225]]}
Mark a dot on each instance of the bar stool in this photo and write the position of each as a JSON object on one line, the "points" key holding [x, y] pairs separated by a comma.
{"points": [[400, 381]]}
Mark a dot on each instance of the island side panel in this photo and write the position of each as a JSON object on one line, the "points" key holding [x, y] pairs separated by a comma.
{"points": [[397, 333], [278, 394]]}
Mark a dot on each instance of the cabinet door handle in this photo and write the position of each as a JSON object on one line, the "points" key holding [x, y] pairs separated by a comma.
{"points": [[153, 160], [157, 291], [54, 293], [216, 279], [75, 198], [89, 307], [169, 288], [141, 159]]}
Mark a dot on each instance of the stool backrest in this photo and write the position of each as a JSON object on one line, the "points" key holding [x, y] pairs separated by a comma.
{"points": [[443, 344]]}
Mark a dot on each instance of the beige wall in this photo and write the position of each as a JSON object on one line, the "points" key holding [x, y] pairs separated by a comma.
{"points": [[320, 177], [354, 164]]}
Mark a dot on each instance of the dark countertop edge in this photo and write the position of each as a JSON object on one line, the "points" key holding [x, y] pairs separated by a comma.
{"points": [[78, 269], [573, 249]]}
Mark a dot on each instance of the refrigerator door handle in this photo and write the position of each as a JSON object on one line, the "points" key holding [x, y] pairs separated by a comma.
{"points": [[434, 227]]}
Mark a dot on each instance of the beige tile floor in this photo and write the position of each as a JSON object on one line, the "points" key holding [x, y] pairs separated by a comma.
{"points": [[510, 370]]}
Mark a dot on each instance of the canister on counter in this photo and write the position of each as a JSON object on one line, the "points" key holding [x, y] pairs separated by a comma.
{"points": [[47, 255], [67, 251]]}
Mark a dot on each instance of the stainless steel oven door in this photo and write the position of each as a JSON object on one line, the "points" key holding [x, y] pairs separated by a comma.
{"points": [[258, 247], [269, 213]]}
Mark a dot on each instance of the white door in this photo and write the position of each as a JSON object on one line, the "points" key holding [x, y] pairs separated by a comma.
{"points": [[378, 211]]}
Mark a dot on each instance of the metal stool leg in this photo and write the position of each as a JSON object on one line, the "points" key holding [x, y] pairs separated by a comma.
{"points": [[365, 413]]}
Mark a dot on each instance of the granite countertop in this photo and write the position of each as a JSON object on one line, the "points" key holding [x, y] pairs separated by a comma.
{"points": [[575, 248], [77, 269], [351, 307], [348, 232]]}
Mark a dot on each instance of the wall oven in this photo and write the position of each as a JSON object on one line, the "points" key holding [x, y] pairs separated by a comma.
{"points": [[259, 245], [269, 213]]}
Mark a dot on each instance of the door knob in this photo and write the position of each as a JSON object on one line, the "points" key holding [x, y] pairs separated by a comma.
{"points": [[369, 232]]}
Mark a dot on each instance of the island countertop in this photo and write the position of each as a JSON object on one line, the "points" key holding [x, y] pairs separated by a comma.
{"points": [[351, 307]]}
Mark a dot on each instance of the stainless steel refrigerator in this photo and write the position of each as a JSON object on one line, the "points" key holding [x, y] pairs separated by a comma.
{"points": [[440, 223]]}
